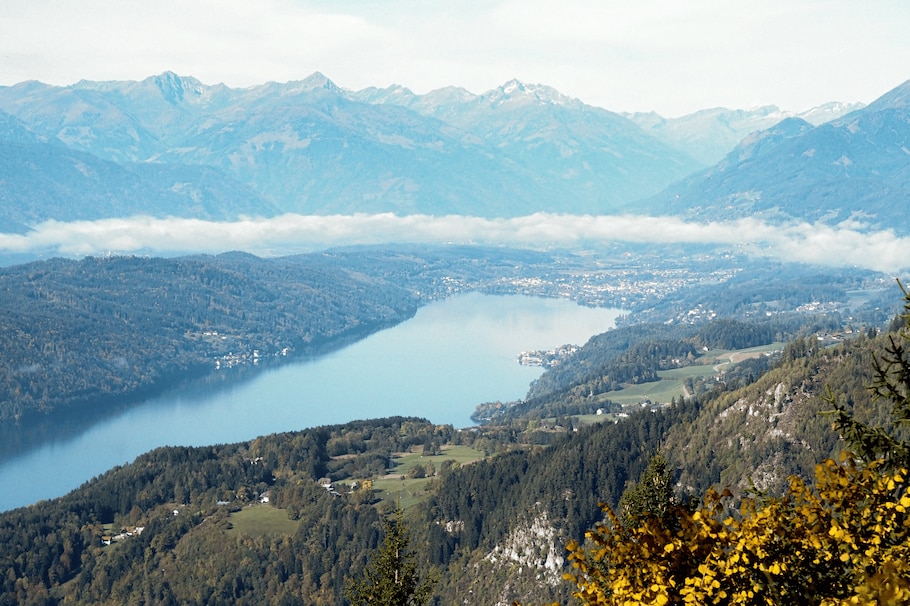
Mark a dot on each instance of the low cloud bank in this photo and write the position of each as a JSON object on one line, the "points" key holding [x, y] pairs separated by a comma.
{"points": [[832, 245]]}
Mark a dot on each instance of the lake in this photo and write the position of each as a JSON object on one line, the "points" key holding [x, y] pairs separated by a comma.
{"points": [[451, 356]]}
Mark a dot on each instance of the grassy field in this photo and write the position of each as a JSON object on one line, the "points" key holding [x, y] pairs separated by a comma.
{"points": [[671, 381], [591, 419], [404, 493], [410, 491], [262, 519], [658, 391]]}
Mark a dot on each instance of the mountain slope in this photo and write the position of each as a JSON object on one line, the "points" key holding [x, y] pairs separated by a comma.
{"points": [[309, 146], [123, 326], [856, 168], [710, 134], [83, 119], [43, 181], [310, 150], [588, 159]]}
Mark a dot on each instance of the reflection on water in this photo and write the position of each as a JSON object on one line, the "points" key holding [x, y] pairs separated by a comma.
{"points": [[451, 356], [34, 431]]}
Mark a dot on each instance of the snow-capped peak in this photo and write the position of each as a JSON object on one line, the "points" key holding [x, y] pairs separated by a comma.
{"points": [[518, 92], [512, 86], [394, 95]]}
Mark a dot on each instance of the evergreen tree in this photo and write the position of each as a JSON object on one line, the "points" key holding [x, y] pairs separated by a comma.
{"points": [[392, 578], [651, 497], [892, 383]]}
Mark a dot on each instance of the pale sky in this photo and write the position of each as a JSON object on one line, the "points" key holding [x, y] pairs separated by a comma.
{"points": [[670, 56]]}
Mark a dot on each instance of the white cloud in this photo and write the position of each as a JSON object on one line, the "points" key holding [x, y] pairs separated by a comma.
{"points": [[801, 242]]}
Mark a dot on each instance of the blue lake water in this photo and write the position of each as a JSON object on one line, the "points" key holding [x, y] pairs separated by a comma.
{"points": [[451, 356]]}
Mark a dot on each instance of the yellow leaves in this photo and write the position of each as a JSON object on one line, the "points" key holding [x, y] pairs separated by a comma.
{"points": [[904, 504], [851, 531]]}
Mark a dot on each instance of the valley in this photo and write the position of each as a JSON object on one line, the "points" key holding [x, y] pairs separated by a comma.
{"points": [[689, 320], [522, 485], [672, 349]]}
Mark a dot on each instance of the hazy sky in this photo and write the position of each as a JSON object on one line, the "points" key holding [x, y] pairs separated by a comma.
{"points": [[671, 56]]}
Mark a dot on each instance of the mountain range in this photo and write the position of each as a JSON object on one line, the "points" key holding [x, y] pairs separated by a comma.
{"points": [[709, 135], [854, 170], [173, 146]]}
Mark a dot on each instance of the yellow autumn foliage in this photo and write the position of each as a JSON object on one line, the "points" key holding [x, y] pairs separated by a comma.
{"points": [[844, 541]]}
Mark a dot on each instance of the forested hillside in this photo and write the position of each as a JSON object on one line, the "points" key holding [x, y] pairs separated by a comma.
{"points": [[85, 331], [495, 530], [167, 517]]}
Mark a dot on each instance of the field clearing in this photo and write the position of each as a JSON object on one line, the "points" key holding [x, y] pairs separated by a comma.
{"points": [[459, 454], [672, 381], [397, 487], [658, 391], [592, 419], [405, 461], [723, 356], [404, 493], [262, 520]]}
